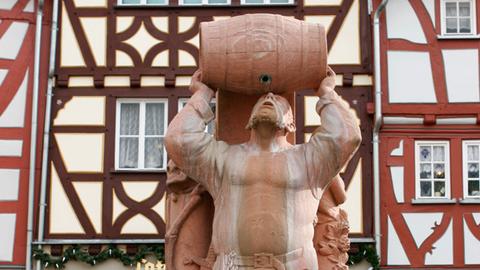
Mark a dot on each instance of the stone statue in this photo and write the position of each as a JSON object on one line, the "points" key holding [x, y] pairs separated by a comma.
{"points": [[331, 229], [266, 191]]}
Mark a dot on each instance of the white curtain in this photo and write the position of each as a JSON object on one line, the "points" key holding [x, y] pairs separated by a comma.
{"points": [[129, 125], [154, 132]]}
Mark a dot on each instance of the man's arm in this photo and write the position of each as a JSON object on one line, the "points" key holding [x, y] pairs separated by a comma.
{"points": [[336, 140], [194, 151]]}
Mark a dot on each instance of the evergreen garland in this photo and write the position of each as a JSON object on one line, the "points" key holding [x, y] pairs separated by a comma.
{"points": [[366, 252], [76, 253]]}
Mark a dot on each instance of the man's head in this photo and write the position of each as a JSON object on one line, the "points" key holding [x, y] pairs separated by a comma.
{"points": [[274, 109]]}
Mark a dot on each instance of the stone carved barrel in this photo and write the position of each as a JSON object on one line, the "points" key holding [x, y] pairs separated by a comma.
{"points": [[259, 53]]}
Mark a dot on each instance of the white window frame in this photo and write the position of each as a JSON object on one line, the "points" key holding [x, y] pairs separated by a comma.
{"points": [[141, 143], [185, 100], [267, 2], [465, 178], [205, 3], [447, 178], [473, 21], [142, 3]]}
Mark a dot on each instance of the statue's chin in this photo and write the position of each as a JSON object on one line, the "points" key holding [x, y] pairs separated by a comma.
{"points": [[265, 120]]}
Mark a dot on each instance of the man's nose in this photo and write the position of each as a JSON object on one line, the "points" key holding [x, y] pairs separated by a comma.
{"points": [[270, 95]]}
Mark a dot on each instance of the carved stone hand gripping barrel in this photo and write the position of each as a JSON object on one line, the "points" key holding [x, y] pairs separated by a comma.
{"points": [[259, 53]]}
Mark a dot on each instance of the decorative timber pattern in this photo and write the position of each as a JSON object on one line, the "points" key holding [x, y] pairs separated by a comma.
{"points": [[431, 95], [108, 52], [17, 38]]}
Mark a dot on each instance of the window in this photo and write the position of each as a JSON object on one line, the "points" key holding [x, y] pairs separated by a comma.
{"points": [[211, 126], [203, 2], [266, 2], [140, 131], [471, 164], [432, 172], [142, 2], [458, 17]]}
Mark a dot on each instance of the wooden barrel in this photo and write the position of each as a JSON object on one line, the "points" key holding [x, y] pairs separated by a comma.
{"points": [[259, 53]]}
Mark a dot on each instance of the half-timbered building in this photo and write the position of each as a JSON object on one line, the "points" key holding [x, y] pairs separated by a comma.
{"points": [[429, 141], [122, 73]]}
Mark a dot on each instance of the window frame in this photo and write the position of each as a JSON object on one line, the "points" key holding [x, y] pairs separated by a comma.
{"points": [[465, 179], [186, 99], [473, 19], [447, 178], [141, 132], [266, 3], [142, 3], [205, 3]]}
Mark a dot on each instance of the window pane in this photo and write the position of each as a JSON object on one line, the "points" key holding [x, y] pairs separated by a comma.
{"points": [[451, 9], [473, 170], [130, 1], [128, 156], [425, 171], [465, 25], [153, 153], [279, 1], [438, 153], [129, 118], [464, 9], [472, 151], [425, 188], [425, 153], [217, 1], [154, 118], [439, 171], [254, 1], [439, 189], [192, 2], [452, 26], [474, 188]]}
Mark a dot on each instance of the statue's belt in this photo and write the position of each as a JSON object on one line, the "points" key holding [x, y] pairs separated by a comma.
{"points": [[268, 260]]}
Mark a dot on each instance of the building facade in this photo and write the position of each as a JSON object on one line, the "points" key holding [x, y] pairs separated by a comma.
{"points": [[429, 138]]}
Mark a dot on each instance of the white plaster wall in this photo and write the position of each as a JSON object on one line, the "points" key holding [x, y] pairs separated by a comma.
{"points": [[346, 47], [396, 173], [118, 207], [12, 148], [9, 181], [185, 59], [139, 224], [80, 81], [7, 236], [362, 80], [394, 120], [116, 81], [430, 6], [420, 224], [471, 246], [11, 41], [325, 20], [142, 41], [161, 23], [87, 111], [91, 197], [70, 54], [95, 29], [3, 74], [403, 23], [7, 4], [443, 252], [354, 203], [124, 22], [161, 59], [29, 7], [185, 23], [183, 80], [398, 152], [61, 210], [122, 59], [410, 78], [146, 81], [90, 3], [14, 114], [461, 74], [395, 253], [139, 190], [322, 2], [81, 152], [311, 116]]}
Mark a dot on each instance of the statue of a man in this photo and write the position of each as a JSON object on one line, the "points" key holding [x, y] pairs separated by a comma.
{"points": [[266, 191]]}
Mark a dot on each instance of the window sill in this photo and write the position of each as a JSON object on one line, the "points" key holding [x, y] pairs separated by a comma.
{"points": [[458, 37], [136, 171], [434, 201], [470, 201]]}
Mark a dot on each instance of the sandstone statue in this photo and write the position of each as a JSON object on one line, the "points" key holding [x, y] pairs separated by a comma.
{"points": [[266, 192]]}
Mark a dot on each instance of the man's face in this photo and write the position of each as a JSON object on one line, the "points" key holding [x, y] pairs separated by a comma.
{"points": [[272, 109]]}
